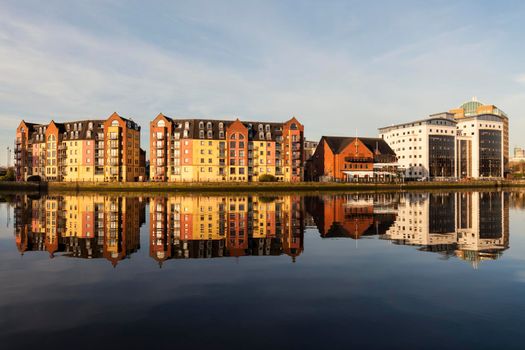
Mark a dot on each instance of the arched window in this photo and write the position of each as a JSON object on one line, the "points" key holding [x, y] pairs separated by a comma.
{"points": [[201, 134], [241, 137], [261, 135], [268, 136], [201, 125], [161, 123], [260, 127], [233, 137], [293, 126], [114, 123], [221, 125], [186, 125], [208, 125], [90, 125], [267, 128]]}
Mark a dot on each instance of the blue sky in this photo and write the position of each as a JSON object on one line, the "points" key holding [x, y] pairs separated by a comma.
{"points": [[336, 65]]}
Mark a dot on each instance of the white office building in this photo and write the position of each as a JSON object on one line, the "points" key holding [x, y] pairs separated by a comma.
{"points": [[443, 147]]}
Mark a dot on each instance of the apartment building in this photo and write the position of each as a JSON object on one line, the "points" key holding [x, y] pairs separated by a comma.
{"points": [[225, 226], [86, 150], [444, 147], [352, 159], [202, 150]]}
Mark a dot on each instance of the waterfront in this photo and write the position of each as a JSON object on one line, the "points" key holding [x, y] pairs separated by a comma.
{"points": [[284, 271]]}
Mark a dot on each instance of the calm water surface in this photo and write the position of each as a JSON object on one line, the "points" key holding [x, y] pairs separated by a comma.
{"points": [[399, 270]]}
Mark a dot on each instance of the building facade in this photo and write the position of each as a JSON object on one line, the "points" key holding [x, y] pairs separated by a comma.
{"points": [[350, 159], [86, 150], [442, 146], [475, 108], [201, 150]]}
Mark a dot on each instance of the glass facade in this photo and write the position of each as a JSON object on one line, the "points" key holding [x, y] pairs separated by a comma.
{"points": [[441, 156], [490, 153], [465, 158]]}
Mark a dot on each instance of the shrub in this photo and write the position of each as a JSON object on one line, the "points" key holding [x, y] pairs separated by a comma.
{"points": [[9, 176], [267, 178]]}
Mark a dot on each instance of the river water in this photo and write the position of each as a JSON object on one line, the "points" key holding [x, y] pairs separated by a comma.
{"points": [[397, 270]]}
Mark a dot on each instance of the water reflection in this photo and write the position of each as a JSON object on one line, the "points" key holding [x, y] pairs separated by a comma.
{"points": [[211, 227], [472, 226], [83, 226]]}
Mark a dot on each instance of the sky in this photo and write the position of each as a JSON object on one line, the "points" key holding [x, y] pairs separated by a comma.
{"points": [[340, 67]]}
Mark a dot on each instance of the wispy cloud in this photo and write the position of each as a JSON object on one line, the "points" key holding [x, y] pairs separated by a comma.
{"points": [[337, 67]]}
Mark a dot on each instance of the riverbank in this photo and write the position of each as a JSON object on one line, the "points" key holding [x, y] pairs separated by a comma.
{"points": [[248, 187]]}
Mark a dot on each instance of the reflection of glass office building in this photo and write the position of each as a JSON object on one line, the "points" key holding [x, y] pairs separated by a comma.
{"points": [[352, 216], [219, 226], [80, 226], [470, 225]]}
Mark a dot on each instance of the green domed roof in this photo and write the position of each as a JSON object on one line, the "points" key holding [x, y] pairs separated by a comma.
{"points": [[471, 107]]}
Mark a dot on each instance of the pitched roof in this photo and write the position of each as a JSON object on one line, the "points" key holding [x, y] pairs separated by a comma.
{"points": [[338, 143]]}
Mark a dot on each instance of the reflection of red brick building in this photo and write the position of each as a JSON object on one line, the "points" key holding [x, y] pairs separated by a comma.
{"points": [[345, 158], [344, 217]]}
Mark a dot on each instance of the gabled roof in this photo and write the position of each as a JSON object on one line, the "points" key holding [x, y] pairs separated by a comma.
{"points": [[338, 143]]}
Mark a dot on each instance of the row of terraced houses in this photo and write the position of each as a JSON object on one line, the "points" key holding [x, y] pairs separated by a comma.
{"points": [[468, 142]]}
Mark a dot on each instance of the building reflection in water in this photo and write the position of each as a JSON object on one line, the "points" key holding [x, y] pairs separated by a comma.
{"points": [[473, 226], [211, 227], [352, 215], [80, 226]]}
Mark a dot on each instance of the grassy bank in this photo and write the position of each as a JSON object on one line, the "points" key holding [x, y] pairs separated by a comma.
{"points": [[271, 187], [147, 187], [12, 186]]}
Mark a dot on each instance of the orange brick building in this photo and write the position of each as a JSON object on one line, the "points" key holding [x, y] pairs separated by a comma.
{"points": [[351, 158]]}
